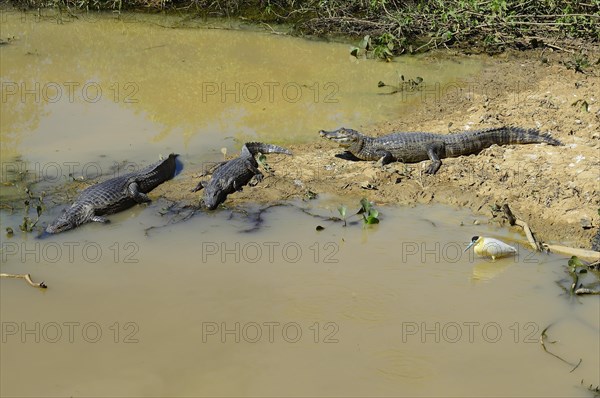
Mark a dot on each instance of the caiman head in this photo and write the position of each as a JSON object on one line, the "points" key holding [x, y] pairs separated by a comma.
{"points": [[345, 137], [62, 223], [71, 218], [214, 195]]}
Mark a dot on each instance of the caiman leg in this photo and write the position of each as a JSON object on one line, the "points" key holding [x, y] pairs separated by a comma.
{"points": [[258, 176], [386, 157], [256, 179], [90, 210], [210, 170], [433, 152], [135, 194]]}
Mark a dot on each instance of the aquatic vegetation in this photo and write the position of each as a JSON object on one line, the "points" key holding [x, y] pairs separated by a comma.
{"points": [[369, 213], [33, 201], [577, 269], [584, 277], [408, 85], [381, 47]]}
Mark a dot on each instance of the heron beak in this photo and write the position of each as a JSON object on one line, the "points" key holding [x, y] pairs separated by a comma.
{"points": [[468, 247]]}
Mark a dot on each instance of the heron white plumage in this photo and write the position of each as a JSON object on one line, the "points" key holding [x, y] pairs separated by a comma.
{"points": [[490, 247]]}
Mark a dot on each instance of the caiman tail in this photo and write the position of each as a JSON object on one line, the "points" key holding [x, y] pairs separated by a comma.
{"points": [[472, 142], [256, 147], [158, 173]]}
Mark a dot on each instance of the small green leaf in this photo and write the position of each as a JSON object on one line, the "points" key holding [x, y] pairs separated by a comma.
{"points": [[574, 262], [342, 210], [365, 204], [372, 220], [373, 213]]}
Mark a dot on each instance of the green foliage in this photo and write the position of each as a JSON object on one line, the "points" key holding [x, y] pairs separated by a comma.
{"points": [[261, 159], [381, 47], [33, 201], [578, 270], [498, 7], [579, 63], [496, 24], [369, 213], [575, 262]]}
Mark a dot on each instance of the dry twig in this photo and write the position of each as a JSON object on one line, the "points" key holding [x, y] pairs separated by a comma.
{"points": [[535, 245], [27, 279]]}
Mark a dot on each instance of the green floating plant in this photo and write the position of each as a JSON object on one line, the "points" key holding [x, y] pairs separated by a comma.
{"points": [[29, 224], [369, 213]]}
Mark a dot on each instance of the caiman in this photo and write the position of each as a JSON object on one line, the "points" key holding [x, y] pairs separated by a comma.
{"points": [[114, 195], [416, 147], [230, 176]]}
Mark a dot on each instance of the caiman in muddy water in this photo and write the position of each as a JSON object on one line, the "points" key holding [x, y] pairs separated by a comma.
{"points": [[230, 176], [114, 195], [416, 147]]}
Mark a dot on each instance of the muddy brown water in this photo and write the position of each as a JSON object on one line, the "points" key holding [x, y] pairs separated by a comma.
{"points": [[225, 305]]}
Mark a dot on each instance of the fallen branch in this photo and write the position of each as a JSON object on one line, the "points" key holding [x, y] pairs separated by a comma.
{"points": [[585, 290], [588, 255], [27, 278], [535, 245]]}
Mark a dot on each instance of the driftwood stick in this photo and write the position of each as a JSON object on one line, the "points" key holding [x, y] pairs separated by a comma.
{"points": [[585, 290], [535, 245], [27, 279], [588, 255]]}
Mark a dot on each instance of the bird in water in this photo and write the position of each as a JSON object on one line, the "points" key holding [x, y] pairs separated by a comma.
{"points": [[490, 247]]}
